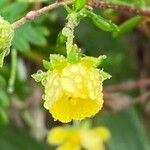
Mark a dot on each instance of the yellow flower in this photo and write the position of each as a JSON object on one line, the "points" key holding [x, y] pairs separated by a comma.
{"points": [[75, 138], [73, 93]]}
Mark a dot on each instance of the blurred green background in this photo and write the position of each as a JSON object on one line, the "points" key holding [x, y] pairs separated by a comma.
{"points": [[23, 120]]}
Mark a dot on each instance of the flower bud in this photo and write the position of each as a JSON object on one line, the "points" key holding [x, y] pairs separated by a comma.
{"points": [[6, 35]]}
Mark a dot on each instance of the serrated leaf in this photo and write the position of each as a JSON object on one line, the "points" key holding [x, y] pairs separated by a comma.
{"points": [[101, 22], [128, 25], [29, 34], [79, 4]]}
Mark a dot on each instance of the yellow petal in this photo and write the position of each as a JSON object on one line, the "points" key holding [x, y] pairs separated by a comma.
{"points": [[68, 146], [102, 133], [73, 94], [57, 136], [91, 142]]}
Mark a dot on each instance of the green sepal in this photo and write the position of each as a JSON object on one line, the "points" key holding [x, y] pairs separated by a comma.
{"points": [[105, 75], [4, 100], [57, 61], [100, 60], [47, 65], [93, 61], [39, 76], [74, 55], [79, 4], [101, 22], [2, 56], [128, 25]]}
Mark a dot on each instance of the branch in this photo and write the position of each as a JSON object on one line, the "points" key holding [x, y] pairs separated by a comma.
{"points": [[129, 85], [125, 8], [92, 3], [36, 13]]}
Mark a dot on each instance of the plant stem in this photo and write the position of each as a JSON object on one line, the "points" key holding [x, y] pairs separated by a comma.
{"points": [[13, 71]]}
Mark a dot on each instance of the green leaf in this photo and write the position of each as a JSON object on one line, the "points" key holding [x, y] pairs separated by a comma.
{"points": [[79, 4], [101, 22], [29, 34], [4, 100], [127, 130], [74, 55], [3, 117], [61, 39], [128, 25], [67, 8]]}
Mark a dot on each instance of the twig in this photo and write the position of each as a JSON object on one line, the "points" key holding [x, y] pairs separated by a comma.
{"points": [[13, 71], [121, 7], [92, 3], [36, 13], [129, 85]]}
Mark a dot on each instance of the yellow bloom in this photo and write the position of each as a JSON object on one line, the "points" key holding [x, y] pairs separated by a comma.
{"points": [[75, 138], [74, 92]]}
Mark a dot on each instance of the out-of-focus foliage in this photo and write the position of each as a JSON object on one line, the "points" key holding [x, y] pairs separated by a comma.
{"points": [[35, 40], [12, 139], [126, 129]]}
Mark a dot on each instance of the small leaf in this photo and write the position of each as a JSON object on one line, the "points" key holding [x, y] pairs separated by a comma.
{"points": [[128, 25], [74, 55], [79, 4], [101, 22], [61, 39], [67, 8]]}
